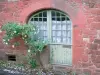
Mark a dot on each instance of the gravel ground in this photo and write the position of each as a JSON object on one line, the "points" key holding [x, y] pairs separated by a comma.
{"points": [[10, 71]]}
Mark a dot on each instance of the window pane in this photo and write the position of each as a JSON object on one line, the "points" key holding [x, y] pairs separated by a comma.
{"points": [[59, 33], [40, 14], [57, 14], [53, 27], [58, 39], [40, 19], [69, 34], [64, 40], [54, 33], [53, 14], [54, 39], [35, 19], [64, 27], [64, 33], [44, 19], [44, 14], [36, 15], [45, 33], [58, 27]]}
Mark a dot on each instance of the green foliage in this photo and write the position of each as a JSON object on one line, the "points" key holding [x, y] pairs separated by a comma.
{"points": [[33, 63], [28, 33], [2, 63]]}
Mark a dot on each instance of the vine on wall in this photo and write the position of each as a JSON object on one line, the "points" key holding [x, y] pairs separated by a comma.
{"points": [[29, 35]]}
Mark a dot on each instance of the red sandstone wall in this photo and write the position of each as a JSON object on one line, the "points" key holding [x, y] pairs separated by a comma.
{"points": [[86, 25], [92, 32]]}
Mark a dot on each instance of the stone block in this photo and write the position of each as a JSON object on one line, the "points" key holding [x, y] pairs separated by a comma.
{"points": [[87, 71], [97, 64], [97, 41], [96, 73], [96, 19], [95, 11], [95, 25], [97, 60], [93, 46]]}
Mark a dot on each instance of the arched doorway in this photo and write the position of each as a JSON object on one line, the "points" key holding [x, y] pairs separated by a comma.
{"points": [[56, 27]]}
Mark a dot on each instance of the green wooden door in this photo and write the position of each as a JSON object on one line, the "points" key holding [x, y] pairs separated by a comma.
{"points": [[61, 54], [56, 27]]}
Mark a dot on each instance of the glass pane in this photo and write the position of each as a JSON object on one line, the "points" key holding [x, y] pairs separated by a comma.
{"points": [[69, 34], [35, 22], [54, 33], [44, 14], [58, 22], [67, 19], [31, 22], [40, 19], [64, 22], [58, 39], [63, 19], [64, 40], [63, 15], [64, 33], [58, 33], [69, 22], [64, 27], [54, 19], [69, 27], [58, 19], [58, 27], [44, 19], [40, 14], [57, 14], [53, 27], [54, 39], [32, 19], [68, 40], [45, 38], [53, 13], [35, 19], [36, 15], [45, 33]]}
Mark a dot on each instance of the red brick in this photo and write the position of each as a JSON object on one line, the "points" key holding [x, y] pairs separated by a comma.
{"points": [[97, 52], [96, 19], [97, 5], [97, 41], [93, 58], [93, 46], [85, 64], [1, 7], [94, 52], [2, 0], [97, 60], [90, 20], [95, 25], [96, 73], [97, 70], [97, 64], [2, 46], [87, 71], [90, 16], [95, 11]]}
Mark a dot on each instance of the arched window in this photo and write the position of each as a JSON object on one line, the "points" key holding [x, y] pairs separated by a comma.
{"points": [[56, 27], [53, 25]]}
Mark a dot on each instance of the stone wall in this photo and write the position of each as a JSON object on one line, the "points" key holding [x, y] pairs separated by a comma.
{"points": [[86, 34], [91, 41]]}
